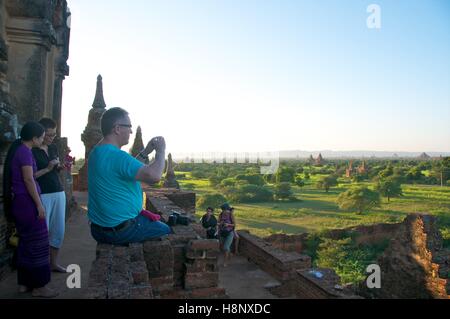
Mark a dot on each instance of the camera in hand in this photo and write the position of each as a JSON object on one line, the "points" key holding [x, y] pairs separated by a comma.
{"points": [[177, 219]]}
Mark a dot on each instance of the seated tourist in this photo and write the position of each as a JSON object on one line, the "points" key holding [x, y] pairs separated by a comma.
{"points": [[209, 222], [114, 176]]}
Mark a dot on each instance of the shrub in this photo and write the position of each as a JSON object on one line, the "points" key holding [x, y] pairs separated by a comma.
{"points": [[283, 190], [198, 174], [285, 174], [249, 193], [299, 181], [359, 199], [213, 200], [347, 259], [327, 182], [227, 182], [255, 179], [188, 186]]}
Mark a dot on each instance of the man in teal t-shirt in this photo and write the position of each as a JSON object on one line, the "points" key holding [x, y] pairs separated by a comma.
{"points": [[115, 194]]}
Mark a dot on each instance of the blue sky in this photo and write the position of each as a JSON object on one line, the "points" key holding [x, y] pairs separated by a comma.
{"points": [[249, 75]]}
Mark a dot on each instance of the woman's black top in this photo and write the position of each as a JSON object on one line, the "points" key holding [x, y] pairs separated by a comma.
{"points": [[210, 225], [49, 182]]}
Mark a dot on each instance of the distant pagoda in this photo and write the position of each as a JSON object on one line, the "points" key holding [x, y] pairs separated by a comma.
{"points": [[319, 160], [169, 179], [138, 144], [424, 156]]}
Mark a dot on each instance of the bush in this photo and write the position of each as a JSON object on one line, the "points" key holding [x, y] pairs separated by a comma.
{"points": [[255, 179], [283, 191], [214, 180], [227, 182], [285, 174], [359, 199], [188, 186], [347, 259], [249, 193], [198, 174], [327, 182], [212, 200], [299, 181]]}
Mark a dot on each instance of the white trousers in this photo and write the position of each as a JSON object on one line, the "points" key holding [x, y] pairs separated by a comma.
{"points": [[55, 216]]}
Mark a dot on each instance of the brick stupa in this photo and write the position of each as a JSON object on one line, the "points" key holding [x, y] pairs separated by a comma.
{"points": [[92, 133]]}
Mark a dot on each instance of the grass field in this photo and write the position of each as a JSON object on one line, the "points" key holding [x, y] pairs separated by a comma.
{"points": [[316, 210]]}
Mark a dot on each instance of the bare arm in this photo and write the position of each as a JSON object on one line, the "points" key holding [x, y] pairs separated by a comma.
{"points": [[27, 173], [233, 220], [152, 173], [47, 170]]}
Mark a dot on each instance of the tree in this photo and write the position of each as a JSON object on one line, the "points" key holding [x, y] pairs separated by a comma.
{"points": [[255, 179], [414, 174], [249, 194], [441, 170], [359, 198], [214, 180], [390, 187], [285, 174], [211, 200], [356, 178], [388, 171], [227, 182], [283, 190], [299, 181], [327, 182]]}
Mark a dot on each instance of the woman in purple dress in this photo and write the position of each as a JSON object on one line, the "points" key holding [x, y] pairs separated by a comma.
{"points": [[23, 206]]}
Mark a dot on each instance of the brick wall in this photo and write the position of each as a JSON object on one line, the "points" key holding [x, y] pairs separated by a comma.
{"points": [[182, 265], [292, 269], [271, 259], [119, 273]]}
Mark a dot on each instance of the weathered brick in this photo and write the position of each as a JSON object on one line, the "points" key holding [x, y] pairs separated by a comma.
{"points": [[203, 244], [101, 265], [202, 254], [162, 283], [118, 291], [120, 251], [136, 252], [141, 292], [212, 292], [97, 279], [118, 277], [175, 294], [139, 272], [97, 292], [201, 280], [103, 251], [202, 265]]}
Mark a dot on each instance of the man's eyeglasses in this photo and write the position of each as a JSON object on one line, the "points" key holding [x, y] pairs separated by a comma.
{"points": [[125, 125], [50, 135]]}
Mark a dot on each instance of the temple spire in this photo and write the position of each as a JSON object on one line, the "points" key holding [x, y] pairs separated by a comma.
{"points": [[169, 180], [99, 101], [138, 144]]}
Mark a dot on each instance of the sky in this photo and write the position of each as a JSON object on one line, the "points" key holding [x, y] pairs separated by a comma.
{"points": [[252, 75]]}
